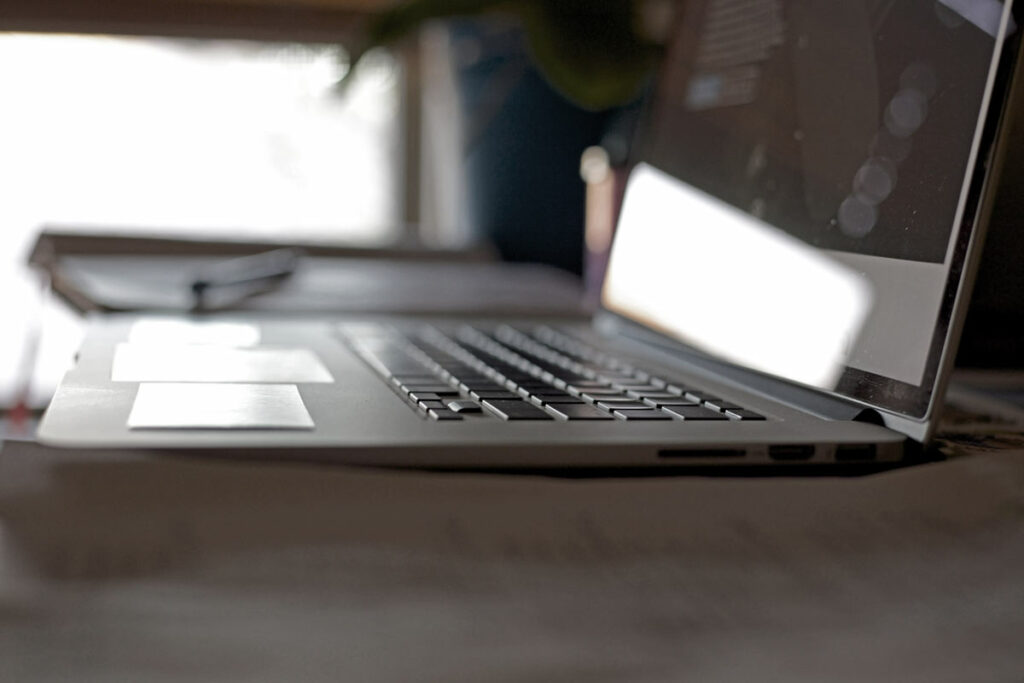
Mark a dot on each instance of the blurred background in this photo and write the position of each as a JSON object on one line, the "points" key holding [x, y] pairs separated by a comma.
{"points": [[237, 120], [250, 121], [208, 138]]}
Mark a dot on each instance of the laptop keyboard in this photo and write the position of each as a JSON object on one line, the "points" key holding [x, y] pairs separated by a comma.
{"points": [[511, 375]]}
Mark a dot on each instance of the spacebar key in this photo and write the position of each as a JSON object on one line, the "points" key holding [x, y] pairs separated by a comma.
{"points": [[516, 410]]}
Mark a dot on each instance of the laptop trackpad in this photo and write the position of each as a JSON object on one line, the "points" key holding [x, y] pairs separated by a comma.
{"points": [[218, 406]]}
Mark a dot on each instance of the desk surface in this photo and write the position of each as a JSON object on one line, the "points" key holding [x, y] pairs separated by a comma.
{"points": [[167, 569]]}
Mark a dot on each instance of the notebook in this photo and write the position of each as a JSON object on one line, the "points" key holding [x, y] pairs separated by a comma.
{"points": [[792, 261]]}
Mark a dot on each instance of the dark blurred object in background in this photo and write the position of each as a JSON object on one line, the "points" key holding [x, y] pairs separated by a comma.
{"points": [[993, 334], [522, 147]]}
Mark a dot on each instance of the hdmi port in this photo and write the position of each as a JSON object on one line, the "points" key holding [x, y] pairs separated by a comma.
{"points": [[791, 452]]}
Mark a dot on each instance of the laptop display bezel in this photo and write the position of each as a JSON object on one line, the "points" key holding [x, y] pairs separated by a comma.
{"points": [[856, 385]]}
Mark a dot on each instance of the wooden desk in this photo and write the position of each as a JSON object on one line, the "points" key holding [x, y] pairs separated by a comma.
{"points": [[165, 569]]}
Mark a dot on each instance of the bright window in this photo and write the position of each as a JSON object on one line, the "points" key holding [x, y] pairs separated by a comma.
{"points": [[217, 138]]}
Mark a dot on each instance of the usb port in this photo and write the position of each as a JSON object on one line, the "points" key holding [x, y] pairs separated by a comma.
{"points": [[791, 452]]}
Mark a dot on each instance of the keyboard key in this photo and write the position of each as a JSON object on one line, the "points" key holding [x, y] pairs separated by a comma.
{"points": [[541, 399], [615, 398], [481, 395], [641, 415], [610, 389], [464, 407], [589, 384], [602, 395], [639, 388], [579, 411], [652, 394], [721, 404], [700, 396], [481, 386], [671, 401], [424, 396], [744, 414], [516, 410], [427, 405], [624, 405], [439, 389], [695, 413], [442, 414], [554, 395], [558, 400]]}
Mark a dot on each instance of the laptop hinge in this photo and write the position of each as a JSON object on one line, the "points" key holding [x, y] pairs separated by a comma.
{"points": [[869, 415]]}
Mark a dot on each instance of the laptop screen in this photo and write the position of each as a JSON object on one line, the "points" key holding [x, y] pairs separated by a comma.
{"points": [[802, 182]]}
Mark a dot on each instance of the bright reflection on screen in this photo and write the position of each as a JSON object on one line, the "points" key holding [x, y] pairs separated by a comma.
{"points": [[731, 285]]}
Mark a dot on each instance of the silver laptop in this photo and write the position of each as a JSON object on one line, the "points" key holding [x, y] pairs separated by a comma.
{"points": [[791, 268]]}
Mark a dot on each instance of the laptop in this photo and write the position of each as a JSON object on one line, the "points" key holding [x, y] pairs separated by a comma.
{"points": [[792, 261]]}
